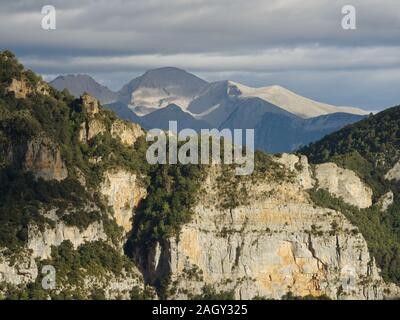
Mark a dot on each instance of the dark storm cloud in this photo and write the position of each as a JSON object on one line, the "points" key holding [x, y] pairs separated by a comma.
{"points": [[256, 41]]}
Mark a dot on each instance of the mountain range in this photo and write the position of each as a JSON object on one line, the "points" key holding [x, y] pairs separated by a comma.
{"points": [[78, 194], [283, 120]]}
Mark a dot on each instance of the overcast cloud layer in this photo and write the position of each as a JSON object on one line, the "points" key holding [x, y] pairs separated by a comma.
{"points": [[298, 44]]}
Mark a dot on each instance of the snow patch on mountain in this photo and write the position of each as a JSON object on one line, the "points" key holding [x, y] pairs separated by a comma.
{"points": [[290, 101]]}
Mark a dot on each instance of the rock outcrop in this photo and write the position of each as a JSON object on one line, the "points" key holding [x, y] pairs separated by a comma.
{"points": [[279, 242], [17, 270], [90, 129], [299, 165], [394, 173], [256, 236], [386, 201], [343, 184], [21, 88], [90, 105], [123, 192], [43, 158], [126, 132], [92, 125], [40, 242]]}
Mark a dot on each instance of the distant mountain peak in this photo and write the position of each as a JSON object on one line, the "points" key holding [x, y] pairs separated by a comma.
{"points": [[283, 120], [165, 70], [158, 88], [77, 84]]}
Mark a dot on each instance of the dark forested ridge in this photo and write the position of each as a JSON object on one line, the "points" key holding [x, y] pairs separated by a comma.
{"points": [[376, 138]]}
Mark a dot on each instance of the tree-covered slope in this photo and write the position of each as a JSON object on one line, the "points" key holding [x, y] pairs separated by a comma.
{"points": [[376, 138], [50, 173], [55, 153]]}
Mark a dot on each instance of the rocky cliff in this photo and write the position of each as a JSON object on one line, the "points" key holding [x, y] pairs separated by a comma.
{"points": [[58, 207], [123, 192], [278, 242], [77, 194]]}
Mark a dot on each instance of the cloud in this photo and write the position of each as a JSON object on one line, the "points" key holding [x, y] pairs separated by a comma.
{"points": [[254, 40], [272, 60]]}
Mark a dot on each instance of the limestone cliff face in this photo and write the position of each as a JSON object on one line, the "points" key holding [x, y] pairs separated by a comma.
{"points": [[278, 242], [21, 268], [39, 155], [21, 88], [394, 173], [386, 201], [90, 129], [126, 132], [40, 242], [92, 126], [123, 192], [300, 166], [343, 183], [43, 158], [17, 270]]}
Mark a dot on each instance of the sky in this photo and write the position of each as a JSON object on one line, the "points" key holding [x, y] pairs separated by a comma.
{"points": [[298, 44]]}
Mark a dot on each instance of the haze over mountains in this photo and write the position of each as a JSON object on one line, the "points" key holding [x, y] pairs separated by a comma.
{"points": [[283, 121]]}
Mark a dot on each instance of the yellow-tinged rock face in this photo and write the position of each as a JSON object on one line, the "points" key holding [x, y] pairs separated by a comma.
{"points": [[276, 243], [126, 132], [124, 193], [343, 183], [43, 158], [90, 105], [21, 88]]}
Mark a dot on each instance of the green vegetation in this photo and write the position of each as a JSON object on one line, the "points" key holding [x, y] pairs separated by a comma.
{"points": [[138, 293], [81, 218], [291, 296], [369, 147], [376, 139], [234, 190], [114, 155], [96, 259], [9, 67], [210, 293], [171, 195], [58, 116], [22, 197]]}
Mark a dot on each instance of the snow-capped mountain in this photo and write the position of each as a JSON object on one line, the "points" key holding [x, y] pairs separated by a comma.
{"points": [[159, 88], [283, 120], [80, 83], [289, 101], [219, 101]]}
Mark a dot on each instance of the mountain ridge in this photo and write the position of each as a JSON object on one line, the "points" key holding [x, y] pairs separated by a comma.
{"points": [[225, 104], [186, 85], [78, 194], [78, 84]]}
